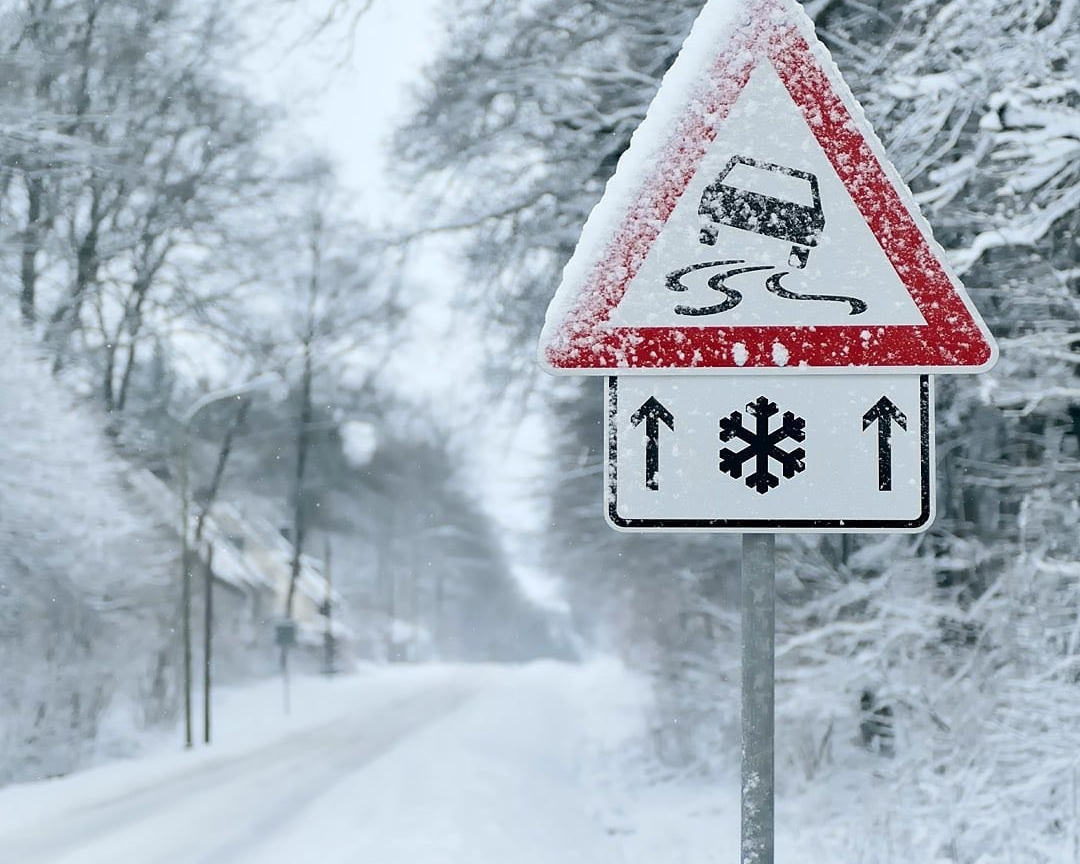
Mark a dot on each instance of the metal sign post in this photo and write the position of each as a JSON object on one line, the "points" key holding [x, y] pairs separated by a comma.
{"points": [[758, 651]]}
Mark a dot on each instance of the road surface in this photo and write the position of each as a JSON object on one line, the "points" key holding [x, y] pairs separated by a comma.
{"points": [[439, 765]]}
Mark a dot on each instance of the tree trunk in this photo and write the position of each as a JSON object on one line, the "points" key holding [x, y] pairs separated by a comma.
{"points": [[107, 376], [31, 241], [65, 318], [133, 322]]}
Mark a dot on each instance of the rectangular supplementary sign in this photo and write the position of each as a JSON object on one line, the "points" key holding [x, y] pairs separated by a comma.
{"points": [[770, 452]]}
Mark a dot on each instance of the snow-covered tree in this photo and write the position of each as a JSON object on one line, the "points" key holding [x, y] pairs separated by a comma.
{"points": [[140, 148]]}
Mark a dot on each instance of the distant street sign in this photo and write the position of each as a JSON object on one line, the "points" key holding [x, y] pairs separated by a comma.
{"points": [[755, 223], [770, 452], [285, 632]]}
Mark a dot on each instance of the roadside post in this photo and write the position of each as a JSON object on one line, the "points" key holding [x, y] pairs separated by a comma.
{"points": [[208, 637], [769, 308], [329, 663], [183, 457], [758, 636], [285, 637]]}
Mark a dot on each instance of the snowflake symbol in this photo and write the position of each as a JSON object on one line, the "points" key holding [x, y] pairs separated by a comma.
{"points": [[761, 445]]}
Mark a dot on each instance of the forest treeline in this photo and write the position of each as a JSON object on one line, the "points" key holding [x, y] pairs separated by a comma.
{"points": [[927, 685]]}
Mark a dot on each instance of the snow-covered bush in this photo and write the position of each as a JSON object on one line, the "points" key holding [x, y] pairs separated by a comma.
{"points": [[85, 593]]}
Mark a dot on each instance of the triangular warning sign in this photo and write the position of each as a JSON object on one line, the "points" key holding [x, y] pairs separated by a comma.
{"points": [[756, 223]]}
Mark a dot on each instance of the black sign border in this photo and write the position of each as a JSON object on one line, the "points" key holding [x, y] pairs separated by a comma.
{"points": [[849, 526]]}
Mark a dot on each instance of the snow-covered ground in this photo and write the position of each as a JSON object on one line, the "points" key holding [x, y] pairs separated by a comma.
{"points": [[439, 764], [537, 764]]}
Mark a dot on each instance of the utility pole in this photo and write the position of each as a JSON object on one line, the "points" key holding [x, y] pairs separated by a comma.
{"points": [[184, 458], [414, 596], [185, 606], [388, 568], [208, 640]]}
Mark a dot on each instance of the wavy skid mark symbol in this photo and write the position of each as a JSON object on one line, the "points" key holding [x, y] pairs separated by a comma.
{"points": [[716, 282], [774, 286]]}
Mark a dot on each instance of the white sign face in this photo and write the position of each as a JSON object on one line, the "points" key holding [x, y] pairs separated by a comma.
{"points": [[849, 454], [762, 193]]}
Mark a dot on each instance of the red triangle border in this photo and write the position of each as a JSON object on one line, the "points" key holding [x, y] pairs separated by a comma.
{"points": [[951, 336]]}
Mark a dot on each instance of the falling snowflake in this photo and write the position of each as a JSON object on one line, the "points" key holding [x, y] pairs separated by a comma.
{"points": [[761, 445]]}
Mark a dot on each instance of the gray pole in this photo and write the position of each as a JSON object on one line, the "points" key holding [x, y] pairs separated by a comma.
{"points": [[185, 546], [328, 633], [758, 635], [208, 640], [285, 677], [185, 578]]}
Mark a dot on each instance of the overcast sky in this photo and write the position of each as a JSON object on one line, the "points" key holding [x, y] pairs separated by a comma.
{"points": [[345, 92], [347, 89]]}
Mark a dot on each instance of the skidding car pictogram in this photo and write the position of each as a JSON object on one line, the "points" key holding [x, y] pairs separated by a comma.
{"points": [[724, 203]]}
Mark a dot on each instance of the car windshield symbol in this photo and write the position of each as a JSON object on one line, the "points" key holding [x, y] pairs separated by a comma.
{"points": [[723, 203]]}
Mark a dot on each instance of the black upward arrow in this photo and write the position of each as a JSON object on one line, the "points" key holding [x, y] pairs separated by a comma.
{"points": [[652, 412], [884, 413]]}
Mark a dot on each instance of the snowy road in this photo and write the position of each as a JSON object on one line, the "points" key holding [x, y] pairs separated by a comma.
{"points": [[439, 765], [227, 809]]}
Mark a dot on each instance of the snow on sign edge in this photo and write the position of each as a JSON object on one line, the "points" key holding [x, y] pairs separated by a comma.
{"points": [[718, 21], [714, 33]]}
